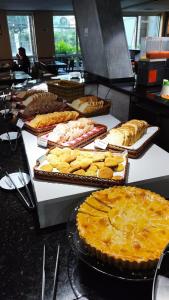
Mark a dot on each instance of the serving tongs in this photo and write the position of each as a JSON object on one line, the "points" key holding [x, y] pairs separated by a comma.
{"points": [[160, 289], [6, 109], [10, 182], [13, 147], [53, 296]]}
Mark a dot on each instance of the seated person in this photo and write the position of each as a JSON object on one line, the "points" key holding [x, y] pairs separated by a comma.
{"points": [[23, 61]]}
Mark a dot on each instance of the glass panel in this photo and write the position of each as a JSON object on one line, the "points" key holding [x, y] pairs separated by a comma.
{"points": [[65, 34], [149, 26], [138, 27], [20, 33], [130, 24]]}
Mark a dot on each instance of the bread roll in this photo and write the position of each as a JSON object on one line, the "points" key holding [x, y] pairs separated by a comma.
{"points": [[127, 134], [88, 104]]}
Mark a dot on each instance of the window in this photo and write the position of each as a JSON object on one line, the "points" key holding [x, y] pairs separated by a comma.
{"points": [[66, 41], [21, 33], [141, 26], [130, 29]]}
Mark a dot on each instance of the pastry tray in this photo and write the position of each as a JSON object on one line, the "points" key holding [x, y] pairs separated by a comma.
{"points": [[41, 130], [38, 131], [79, 179], [139, 147], [94, 263], [100, 111], [83, 140]]}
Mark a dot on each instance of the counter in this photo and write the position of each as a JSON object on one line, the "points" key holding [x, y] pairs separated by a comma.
{"points": [[55, 200]]}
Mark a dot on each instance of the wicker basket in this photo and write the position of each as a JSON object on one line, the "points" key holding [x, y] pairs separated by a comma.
{"points": [[68, 90]]}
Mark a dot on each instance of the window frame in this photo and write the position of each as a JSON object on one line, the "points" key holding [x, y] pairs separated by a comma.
{"points": [[138, 16], [67, 13], [32, 31]]}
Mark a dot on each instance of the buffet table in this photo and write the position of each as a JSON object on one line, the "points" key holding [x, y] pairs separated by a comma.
{"points": [[55, 200]]}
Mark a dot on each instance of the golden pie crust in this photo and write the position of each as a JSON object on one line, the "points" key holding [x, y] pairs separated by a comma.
{"points": [[124, 225]]}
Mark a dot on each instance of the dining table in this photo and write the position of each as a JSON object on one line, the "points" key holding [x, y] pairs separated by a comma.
{"points": [[15, 77]]}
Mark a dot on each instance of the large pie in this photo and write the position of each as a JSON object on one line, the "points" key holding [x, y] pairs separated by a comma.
{"points": [[124, 225]]}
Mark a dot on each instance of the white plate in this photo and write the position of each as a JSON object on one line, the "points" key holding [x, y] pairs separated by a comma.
{"points": [[4, 111], [5, 137], [146, 136], [5, 180]]}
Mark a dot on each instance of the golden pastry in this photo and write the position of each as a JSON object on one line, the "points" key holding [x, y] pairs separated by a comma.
{"points": [[56, 151], [105, 172], [111, 162], [119, 168], [69, 160], [99, 164], [46, 167], [75, 165], [125, 226], [91, 172], [117, 177], [79, 172], [119, 159], [52, 158], [85, 163], [60, 166], [52, 118], [68, 157]]}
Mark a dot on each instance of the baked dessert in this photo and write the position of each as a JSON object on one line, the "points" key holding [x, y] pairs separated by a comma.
{"points": [[88, 104], [41, 121], [125, 226], [42, 103], [71, 130], [127, 134], [85, 162]]}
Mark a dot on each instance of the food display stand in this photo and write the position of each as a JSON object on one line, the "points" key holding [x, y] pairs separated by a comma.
{"points": [[55, 200]]}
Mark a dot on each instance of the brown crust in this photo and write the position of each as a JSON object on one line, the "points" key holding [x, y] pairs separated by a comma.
{"points": [[131, 153], [100, 111], [79, 179], [129, 261]]}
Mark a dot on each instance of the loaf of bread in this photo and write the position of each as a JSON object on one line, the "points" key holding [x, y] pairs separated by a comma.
{"points": [[42, 103], [88, 104], [41, 121], [22, 95], [127, 134]]}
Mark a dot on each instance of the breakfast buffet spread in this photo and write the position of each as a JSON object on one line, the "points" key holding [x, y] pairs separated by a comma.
{"points": [[123, 226]]}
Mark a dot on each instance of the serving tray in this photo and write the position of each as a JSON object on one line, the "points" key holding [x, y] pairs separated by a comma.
{"points": [[100, 111], [41, 130], [38, 131], [81, 179], [83, 140], [139, 147]]}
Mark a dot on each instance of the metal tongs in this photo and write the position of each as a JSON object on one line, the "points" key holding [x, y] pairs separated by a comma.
{"points": [[28, 202], [55, 274], [13, 147], [6, 109], [160, 289]]}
